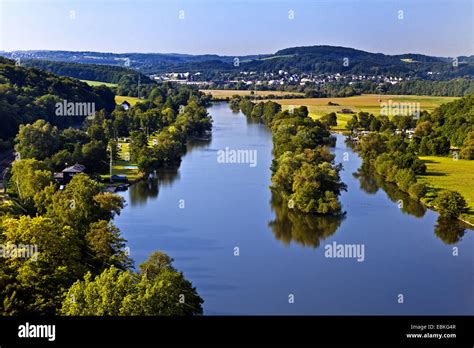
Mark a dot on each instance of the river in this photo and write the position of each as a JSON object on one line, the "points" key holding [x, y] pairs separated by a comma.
{"points": [[249, 255]]}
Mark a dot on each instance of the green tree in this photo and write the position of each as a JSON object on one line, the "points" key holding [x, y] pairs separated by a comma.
{"points": [[107, 247], [157, 290], [29, 176], [329, 120], [38, 140], [353, 124], [36, 282], [467, 151], [95, 156], [450, 203]]}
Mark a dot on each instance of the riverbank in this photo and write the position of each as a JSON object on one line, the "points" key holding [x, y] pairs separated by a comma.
{"points": [[452, 174], [457, 182], [216, 220]]}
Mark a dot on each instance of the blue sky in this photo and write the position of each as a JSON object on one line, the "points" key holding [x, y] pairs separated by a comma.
{"points": [[238, 27]]}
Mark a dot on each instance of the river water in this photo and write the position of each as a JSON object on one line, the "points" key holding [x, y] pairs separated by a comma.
{"points": [[248, 254]]}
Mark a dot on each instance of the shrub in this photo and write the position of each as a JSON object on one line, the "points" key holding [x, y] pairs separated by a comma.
{"points": [[417, 190], [405, 178], [450, 203]]}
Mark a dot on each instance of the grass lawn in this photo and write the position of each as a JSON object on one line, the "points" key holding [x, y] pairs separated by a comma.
{"points": [[367, 102], [98, 83], [447, 173], [122, 166], [119, 99], [227, 93]]}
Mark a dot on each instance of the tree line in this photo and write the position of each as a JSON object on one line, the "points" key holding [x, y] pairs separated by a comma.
{"points": [[395, 156], [28, 94], [83, 266], [303, 171]]}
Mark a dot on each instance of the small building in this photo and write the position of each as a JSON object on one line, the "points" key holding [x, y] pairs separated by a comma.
{"points": [[125, 105], [410, 133], [68, 173]]}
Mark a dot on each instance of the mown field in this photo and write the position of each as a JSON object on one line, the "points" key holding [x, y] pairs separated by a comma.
{"points": [[367, 102], [123, 166], [447, 173], [98, 83], [223, 93], [120, 99]]}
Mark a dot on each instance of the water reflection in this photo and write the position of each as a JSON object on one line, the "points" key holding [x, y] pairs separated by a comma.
{"points": [[306, 230], [370, 183], [448, 230], [149, 188]]}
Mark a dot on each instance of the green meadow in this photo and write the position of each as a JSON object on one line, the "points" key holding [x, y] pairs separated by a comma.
{"points": [[370, 103], [98, 83], [447, 173]]}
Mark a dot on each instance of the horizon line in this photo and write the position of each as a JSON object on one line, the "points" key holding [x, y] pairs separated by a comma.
{"points": [[226, 55]]}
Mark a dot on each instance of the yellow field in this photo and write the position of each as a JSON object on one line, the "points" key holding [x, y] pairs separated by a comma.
{"points": [[120, 99], [223, 94], [447, 173], [367, 102], [98, 83]]}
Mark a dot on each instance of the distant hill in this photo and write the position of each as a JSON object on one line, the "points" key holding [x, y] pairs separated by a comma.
{"points": [[93, 72], [28, 94], [309, 59], [329, 59]]}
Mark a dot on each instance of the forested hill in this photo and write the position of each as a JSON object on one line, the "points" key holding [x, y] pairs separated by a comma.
{"points": [[28, 94], [93, 72], [309, 59], [330, 59]]}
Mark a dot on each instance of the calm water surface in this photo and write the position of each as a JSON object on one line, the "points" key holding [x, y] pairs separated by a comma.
{"points": [[407, 250]]}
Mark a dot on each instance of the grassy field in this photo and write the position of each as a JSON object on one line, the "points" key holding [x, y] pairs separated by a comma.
{"points": [[447, 173], [223, 93], [368, 102], [120, 99], [123, 166], [98, 83]]}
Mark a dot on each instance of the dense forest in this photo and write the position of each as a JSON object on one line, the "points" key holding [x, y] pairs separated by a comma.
{"points": [[126, 79], [27, 95], [93, 72], [81, 265]]}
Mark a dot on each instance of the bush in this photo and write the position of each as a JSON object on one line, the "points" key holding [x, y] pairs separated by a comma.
{"points": [[417, 190], [450, 204], [405, 178], [392, 174]]}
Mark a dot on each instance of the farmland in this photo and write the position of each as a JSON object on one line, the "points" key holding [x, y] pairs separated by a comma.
{"points": [[228, 93], [447, 173], [98, 83], [368, 103], [120, 99]]}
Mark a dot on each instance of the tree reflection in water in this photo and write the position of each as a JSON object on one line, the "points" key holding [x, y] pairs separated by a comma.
{"points": [[304, 229], [370, 183], [148, 188], [450, 231]]}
